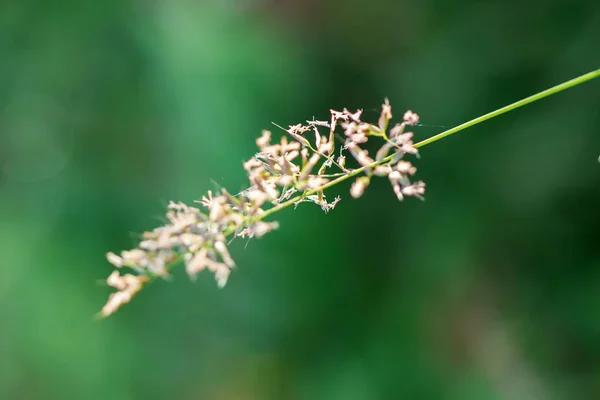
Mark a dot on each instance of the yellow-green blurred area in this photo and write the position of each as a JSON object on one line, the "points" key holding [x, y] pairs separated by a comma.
{"points": [[489, 289]]}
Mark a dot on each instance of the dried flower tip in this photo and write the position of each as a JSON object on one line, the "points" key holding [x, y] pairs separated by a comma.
{"points": [[397, 130], [356, 116], [114, 259], [304, 154], [318, 123], [296, 131], [221, 275], [291, 155], [179, 206], [325, 147], [221, 248], [264, 140], [356, 138], [416, 189], [381, 170], [217, 205], [358, 187], [251, 164], [258, 229], [363, 158], [411, 118], [405, 167], [194, 263], [149, 245], [325, 206], [288, 193], [286, 146], [285, 180], [256, 196], [261, 228], [271, 191], [309, 166], [317, 136], [404, 138], [386, 115], [127, 285], [134, 257], [315, 182], [115, 280], [337, 115], [398, 191], [320, 200], [394, 176], [190, 240]]}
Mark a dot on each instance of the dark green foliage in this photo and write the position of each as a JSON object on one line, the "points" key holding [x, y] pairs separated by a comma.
{"points": [[487, 290]]}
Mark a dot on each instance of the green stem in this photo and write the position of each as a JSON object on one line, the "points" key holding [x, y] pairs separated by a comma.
{"points": [[538, 96], [555, 89], [505, 109]]}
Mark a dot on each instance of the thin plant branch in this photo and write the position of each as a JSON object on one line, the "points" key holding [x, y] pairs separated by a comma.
{"points": [[276, 173]]}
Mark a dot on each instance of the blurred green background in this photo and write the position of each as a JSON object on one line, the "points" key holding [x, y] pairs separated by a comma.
{"points": [[490, 289]]}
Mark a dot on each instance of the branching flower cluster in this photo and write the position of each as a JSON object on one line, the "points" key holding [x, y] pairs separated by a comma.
{"points": [[294, 170]]}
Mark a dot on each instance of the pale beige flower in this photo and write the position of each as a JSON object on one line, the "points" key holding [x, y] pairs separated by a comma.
{"points": [[195, 263], [359, 186], [114, 259], [386, 115], [405, 167], [127, 285], [264, 140], [411, 118], [275, 173]]}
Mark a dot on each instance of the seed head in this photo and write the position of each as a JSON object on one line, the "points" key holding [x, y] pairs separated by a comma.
{"points": [[303, 162]]}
